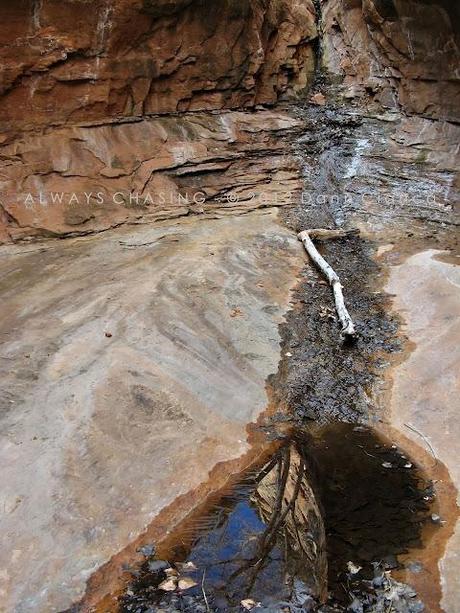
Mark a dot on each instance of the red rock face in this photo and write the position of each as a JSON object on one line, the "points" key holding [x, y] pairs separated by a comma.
{"points": [[69, 66], [397, 52], [79, 180], [69, 61]]}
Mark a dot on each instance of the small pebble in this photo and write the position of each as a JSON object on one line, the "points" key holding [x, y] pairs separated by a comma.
{"points": [[147, 550], [156, 565]]}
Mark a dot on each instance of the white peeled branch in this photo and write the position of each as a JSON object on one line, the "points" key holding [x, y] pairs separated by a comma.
{"points": [[348, 328]]}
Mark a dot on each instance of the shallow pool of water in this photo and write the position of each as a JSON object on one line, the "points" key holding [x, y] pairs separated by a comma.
{"points": [[293, 531]]}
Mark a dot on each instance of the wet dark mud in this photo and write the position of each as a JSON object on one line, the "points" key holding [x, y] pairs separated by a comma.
{"points": [[316, 528], [359, 171], [320, 378]]}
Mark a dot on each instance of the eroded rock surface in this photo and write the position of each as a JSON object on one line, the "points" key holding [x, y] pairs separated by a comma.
{"points": [[87, 179], [81, 60], [386, 173], [131, 364], [395, 52]]}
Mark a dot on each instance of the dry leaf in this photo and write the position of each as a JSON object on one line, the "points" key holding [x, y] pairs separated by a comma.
{"points": [[248, 604], [171, 572], [186, 583], [353, 569], [186, 567], [168, 585]]}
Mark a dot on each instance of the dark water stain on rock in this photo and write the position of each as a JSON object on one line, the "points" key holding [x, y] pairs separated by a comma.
{"points": [[314, 528]]}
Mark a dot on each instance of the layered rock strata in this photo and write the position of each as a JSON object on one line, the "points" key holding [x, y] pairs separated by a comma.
{"points": [[395, 53], [80, 60], [81, 180]]}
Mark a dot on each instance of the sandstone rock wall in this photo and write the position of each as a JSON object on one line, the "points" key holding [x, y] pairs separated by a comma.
{"points": [[78, 180], [83, 60], [396, 52]]}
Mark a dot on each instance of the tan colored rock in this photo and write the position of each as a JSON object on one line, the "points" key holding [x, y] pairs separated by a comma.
{"points": [[318, 99], [186, 583], [168, 585], [78, 60], [426, 388], [86, 179], [100, 435]]}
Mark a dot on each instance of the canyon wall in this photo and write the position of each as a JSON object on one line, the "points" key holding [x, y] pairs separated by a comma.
{"points": [[398, 53], [84, 179], [86, 86], [101, 72], [82, 60]]}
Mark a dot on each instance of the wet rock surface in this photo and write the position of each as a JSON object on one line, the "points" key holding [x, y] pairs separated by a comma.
{"points": [[390, 175]]}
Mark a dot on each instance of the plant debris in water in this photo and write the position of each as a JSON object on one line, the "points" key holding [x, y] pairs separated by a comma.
{"points": [[263, 546]]}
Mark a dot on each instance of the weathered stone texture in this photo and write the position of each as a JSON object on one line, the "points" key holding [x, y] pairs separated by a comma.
{"points": [[396, 52], [80, 60]]}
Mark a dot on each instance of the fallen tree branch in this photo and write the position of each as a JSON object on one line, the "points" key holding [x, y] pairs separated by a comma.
{"points": [[348, 328], [325, 233], [203, 592]]}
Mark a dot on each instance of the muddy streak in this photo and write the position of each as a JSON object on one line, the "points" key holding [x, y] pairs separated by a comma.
{"points": [[324, 380]]}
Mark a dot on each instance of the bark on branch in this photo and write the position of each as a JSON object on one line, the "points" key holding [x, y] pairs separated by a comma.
{"points": [[348, 328]]}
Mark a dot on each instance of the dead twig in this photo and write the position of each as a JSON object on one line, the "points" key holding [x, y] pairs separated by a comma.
{"points": [[348, 328], [203, 592], [425, 438]]}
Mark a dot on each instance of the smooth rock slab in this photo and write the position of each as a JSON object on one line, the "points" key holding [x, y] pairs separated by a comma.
{"points": [[426, 386], [131, 363]]}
